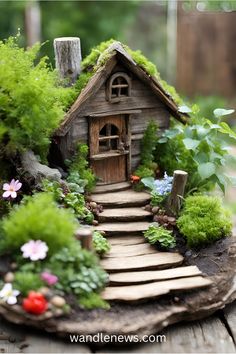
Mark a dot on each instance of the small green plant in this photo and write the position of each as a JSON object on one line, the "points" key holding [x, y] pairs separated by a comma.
{"points": [[69, 196], [200, 149], [203, 220], [80, 165], [158, 234], [100, 243], [93, 300], [78, 271], [147, 165], [27, 281], [32, 104], [38, 218]]}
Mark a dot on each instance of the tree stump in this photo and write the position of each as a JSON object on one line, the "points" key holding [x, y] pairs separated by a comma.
{"points": [[177, 192], [85, 236], [68, 58]]}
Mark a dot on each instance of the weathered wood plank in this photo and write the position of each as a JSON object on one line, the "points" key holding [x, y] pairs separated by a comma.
{"points": [[130, 250], [230, 316], [126, 240], [124, 214], [114, 187], [161, 260], [123, 198], [121, 227], [151, 275], [155, 289]]}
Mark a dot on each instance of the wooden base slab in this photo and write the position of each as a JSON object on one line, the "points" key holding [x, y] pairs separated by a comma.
{"points": [[217, 262], [117, 228], [124, 198], [124, 214]]}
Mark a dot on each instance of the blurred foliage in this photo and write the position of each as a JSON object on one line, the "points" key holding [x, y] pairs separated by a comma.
{"points": [[92, 21], [210, 5], [207, 104]]}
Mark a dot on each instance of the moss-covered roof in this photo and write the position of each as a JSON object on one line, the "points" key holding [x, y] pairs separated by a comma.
{"points": [[97, 60]]}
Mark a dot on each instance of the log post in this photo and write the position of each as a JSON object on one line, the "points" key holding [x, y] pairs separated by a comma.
{"points": [[177, 192], [68, 58], [85, 236]]}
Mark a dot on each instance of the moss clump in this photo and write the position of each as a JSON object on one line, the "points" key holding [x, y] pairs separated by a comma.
{"points": [[27, 281], [82, 82], [38, 219], [203, 220], [91, 60]]}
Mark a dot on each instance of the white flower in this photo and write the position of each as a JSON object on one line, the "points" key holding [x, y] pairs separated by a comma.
{"points": [[8, 294], [11, 189], [34, 250]]}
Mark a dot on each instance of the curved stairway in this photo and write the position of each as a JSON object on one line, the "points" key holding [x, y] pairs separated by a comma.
{"points": [[137, 270]]}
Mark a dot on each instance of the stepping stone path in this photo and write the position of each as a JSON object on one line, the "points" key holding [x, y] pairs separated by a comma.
{"points": [[137, 270]]}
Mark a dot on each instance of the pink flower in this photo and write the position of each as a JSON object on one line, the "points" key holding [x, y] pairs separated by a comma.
{"points": [[49, 278], [34, 250], [11, 189]]}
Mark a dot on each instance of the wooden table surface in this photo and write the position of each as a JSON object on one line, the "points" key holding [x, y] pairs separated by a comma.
{"points": [[216, 334]]}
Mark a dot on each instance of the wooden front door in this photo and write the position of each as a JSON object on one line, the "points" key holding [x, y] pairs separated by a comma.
{"points": [[109, 148]]}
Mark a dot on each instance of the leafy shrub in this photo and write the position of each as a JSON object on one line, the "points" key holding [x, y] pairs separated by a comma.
{"points": [[158, 234], [147, 165], [31, 102], [203, 220], [199, 149], [78, 271], [39, 218], [80, 165], [93, 300], [100, 243], [69, 196], [27, 281]]}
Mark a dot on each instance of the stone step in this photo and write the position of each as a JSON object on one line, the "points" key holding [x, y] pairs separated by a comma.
{"points": [[154, 289], [130, 250], [122, 199], [115, 187], [121, 240], [125, 228], [148, 276], [158, 260], [124, 214]]}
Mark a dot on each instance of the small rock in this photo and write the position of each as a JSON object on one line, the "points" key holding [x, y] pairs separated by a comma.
{"points": [[103, 233], [176, 299], [44, 290], [188, 253], [9, 277], [93, 204], [58, 312], [58, 301], [148, 207], [13, 266], [155, 209], [95, 223], [165, 218], [171, 220], [155, 218]]}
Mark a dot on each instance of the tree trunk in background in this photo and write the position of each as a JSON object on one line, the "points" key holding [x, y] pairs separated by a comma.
{"points": [[171, 40], [32, 22]]}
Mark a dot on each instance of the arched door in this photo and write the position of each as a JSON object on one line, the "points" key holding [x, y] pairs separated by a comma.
{"points": [[109, 148]]}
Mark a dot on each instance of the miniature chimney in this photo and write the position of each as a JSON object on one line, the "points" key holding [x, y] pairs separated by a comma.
{"points": [[68, 58]]}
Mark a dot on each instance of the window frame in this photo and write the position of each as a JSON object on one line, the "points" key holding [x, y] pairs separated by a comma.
{"points": [[111, 86]]}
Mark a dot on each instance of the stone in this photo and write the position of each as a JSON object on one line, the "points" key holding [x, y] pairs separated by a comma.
{"points": [[155, 209], [93, 204], [58, 301], [9, 277], [95, 223]]}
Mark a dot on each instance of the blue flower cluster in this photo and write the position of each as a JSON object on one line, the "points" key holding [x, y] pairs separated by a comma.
{"points": [[163, 186]]}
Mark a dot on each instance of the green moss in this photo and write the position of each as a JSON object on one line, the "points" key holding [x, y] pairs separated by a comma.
{"points": [[82, 82], [204, 220], [171, 91], [27, 281], [93, 300], [39, 219], [90, 61]]}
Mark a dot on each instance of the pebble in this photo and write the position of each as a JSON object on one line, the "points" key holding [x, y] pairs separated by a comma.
{"points": [[95, 222], [155, 209], [13, 266], [58, 301], [44, 290], [9, 277], [93, 204]]}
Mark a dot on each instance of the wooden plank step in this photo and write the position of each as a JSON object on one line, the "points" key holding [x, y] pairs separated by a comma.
{"points": [[153, 275], [124, 214], [159, 260], [122, 199], [156, 289], [121, 227], [115, 187], [130, 250], [126, 240]]}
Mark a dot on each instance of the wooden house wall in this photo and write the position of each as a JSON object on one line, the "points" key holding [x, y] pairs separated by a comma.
{"points": [[142, 98]]}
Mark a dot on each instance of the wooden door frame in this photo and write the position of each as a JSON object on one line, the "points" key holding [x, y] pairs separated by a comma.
{"points": [[126, 117]]}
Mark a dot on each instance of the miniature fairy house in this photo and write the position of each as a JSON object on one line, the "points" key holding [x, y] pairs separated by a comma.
{"points": [[112, 112]]}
